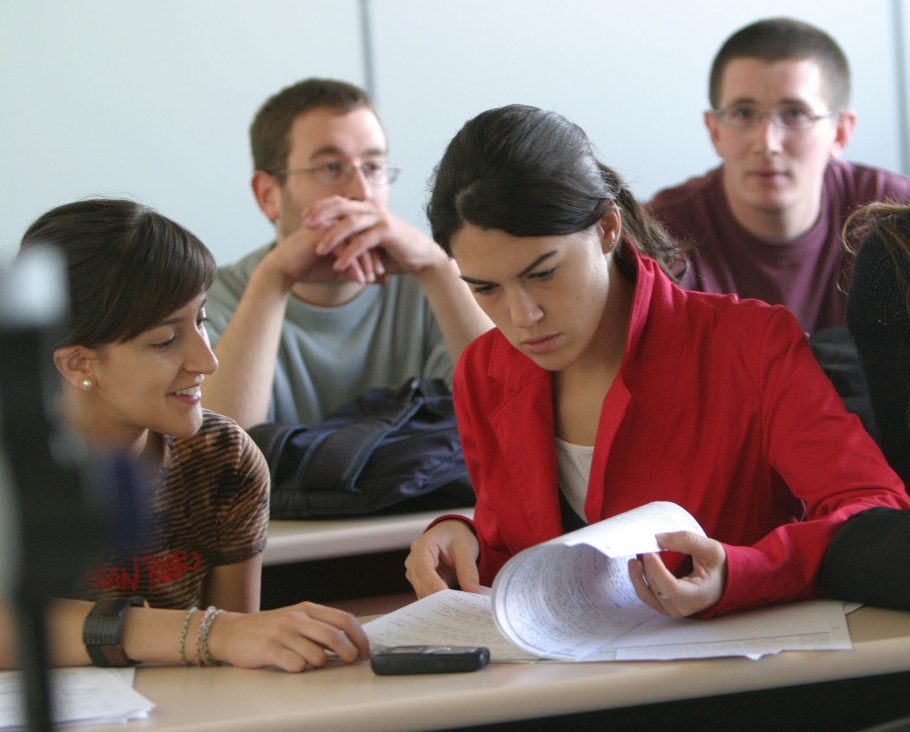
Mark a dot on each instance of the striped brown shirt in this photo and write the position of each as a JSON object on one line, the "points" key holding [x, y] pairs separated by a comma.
{"points": [[210, 507]]}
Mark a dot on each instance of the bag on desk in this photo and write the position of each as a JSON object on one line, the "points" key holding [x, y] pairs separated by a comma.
{"points": [[390, 450]]}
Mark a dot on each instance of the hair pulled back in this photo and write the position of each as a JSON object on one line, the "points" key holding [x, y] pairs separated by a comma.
{"points": [[891, 223], [129, 267], [530, 172]]}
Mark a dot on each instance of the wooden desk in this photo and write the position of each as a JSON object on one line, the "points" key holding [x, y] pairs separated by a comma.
{"points": [[302, 541], [350, 698]]}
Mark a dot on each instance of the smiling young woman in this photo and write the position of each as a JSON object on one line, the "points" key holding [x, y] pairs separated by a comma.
{"points": [[133, 363], [604, 387]]}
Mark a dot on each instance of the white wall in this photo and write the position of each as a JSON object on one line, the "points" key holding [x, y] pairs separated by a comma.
{"points": [[634, 76], [153, 100]]}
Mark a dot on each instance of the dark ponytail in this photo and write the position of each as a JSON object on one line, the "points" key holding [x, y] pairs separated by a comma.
{"points": [[529, 172], [648, 235]]}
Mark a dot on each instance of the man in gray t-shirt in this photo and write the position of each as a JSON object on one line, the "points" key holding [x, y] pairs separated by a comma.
{"points": [[349, 297]]}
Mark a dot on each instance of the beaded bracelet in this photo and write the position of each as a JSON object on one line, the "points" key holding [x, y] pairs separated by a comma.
{"points": [[202, 650], [186, 625]]}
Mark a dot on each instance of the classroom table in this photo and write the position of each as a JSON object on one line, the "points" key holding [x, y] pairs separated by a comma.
{"points": [[351, 698], [303, 541]]}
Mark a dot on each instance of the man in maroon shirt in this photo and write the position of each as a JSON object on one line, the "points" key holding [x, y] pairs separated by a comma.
{"points": [[767, 222]]}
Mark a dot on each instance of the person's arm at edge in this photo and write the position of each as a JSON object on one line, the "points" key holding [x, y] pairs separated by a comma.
{"points": [[235, 587], [457, 313], [490, 558], [144, 629], [784, 564], [292, 638], [247, 351]]}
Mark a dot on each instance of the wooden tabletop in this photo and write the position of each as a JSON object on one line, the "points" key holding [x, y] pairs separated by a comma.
{"points": [[346, 698], [300, 541]]}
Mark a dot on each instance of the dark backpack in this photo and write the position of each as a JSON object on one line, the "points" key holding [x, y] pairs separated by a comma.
{"points": [[390, 450]]}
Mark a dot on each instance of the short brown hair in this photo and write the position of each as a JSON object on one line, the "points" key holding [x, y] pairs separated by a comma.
{"points": [[129, 267], [783, 39], [270, 133]]}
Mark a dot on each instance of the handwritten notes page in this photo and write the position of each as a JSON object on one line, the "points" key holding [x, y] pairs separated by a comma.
{"points": [[632, 532], [569, 596], [446, 618], [81, 695], [816, 625], [571, 599]]}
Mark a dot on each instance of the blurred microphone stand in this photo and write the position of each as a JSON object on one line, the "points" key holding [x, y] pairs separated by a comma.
{"points": [[55, 523]]}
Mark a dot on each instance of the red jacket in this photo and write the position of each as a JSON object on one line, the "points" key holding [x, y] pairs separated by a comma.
{"points": [[719, 406]]}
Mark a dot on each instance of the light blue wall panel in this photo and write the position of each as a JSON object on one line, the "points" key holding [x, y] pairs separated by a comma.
{"points": [[153, 100], [634, 75]]}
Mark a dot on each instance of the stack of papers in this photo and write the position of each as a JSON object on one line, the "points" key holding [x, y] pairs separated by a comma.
{"points": [[463, 619], [571, 599], [81, 695]]}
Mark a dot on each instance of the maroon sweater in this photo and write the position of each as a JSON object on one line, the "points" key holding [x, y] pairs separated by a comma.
{"points": [[809, 275]]}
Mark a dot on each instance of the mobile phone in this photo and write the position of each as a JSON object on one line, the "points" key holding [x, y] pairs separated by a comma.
{"points": [[429, 660]]}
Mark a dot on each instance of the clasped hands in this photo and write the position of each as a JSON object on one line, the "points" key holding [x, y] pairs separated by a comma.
{"points": [[340, 240], [446, 556]]}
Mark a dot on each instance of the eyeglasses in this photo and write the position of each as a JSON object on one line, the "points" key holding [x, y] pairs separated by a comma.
{"points": [[746, 116], [339, 173]]}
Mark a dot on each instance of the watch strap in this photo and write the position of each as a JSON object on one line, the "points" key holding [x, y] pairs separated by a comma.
{"points": [[102, 631]]}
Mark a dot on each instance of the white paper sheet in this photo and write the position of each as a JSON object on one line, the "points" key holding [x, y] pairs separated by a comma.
{"points": [[446, 618], [571, 599], [569, 596], [632, 532], [81, 695], [799, 626], [459, 618]]}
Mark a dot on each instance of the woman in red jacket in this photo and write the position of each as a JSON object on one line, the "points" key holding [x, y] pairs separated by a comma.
{"points": [[605, 386]]}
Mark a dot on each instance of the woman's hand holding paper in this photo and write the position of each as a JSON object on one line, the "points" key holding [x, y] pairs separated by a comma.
{"points": [[680, 597]]}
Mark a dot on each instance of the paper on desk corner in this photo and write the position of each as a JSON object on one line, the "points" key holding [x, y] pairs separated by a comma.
{"points": [[82, 695], [814, 625], [126, 674]]}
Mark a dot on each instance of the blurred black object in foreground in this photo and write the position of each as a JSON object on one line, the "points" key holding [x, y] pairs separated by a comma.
{"points": [[54, 518]]}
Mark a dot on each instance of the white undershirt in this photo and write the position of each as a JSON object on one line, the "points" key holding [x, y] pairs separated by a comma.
{"points": [[573, 470]]}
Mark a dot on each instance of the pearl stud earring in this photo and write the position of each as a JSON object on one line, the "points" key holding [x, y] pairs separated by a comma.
{"points": [[88, 383]]}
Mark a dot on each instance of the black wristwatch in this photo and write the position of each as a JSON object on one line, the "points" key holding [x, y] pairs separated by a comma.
{"points": [[102, 630]]}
